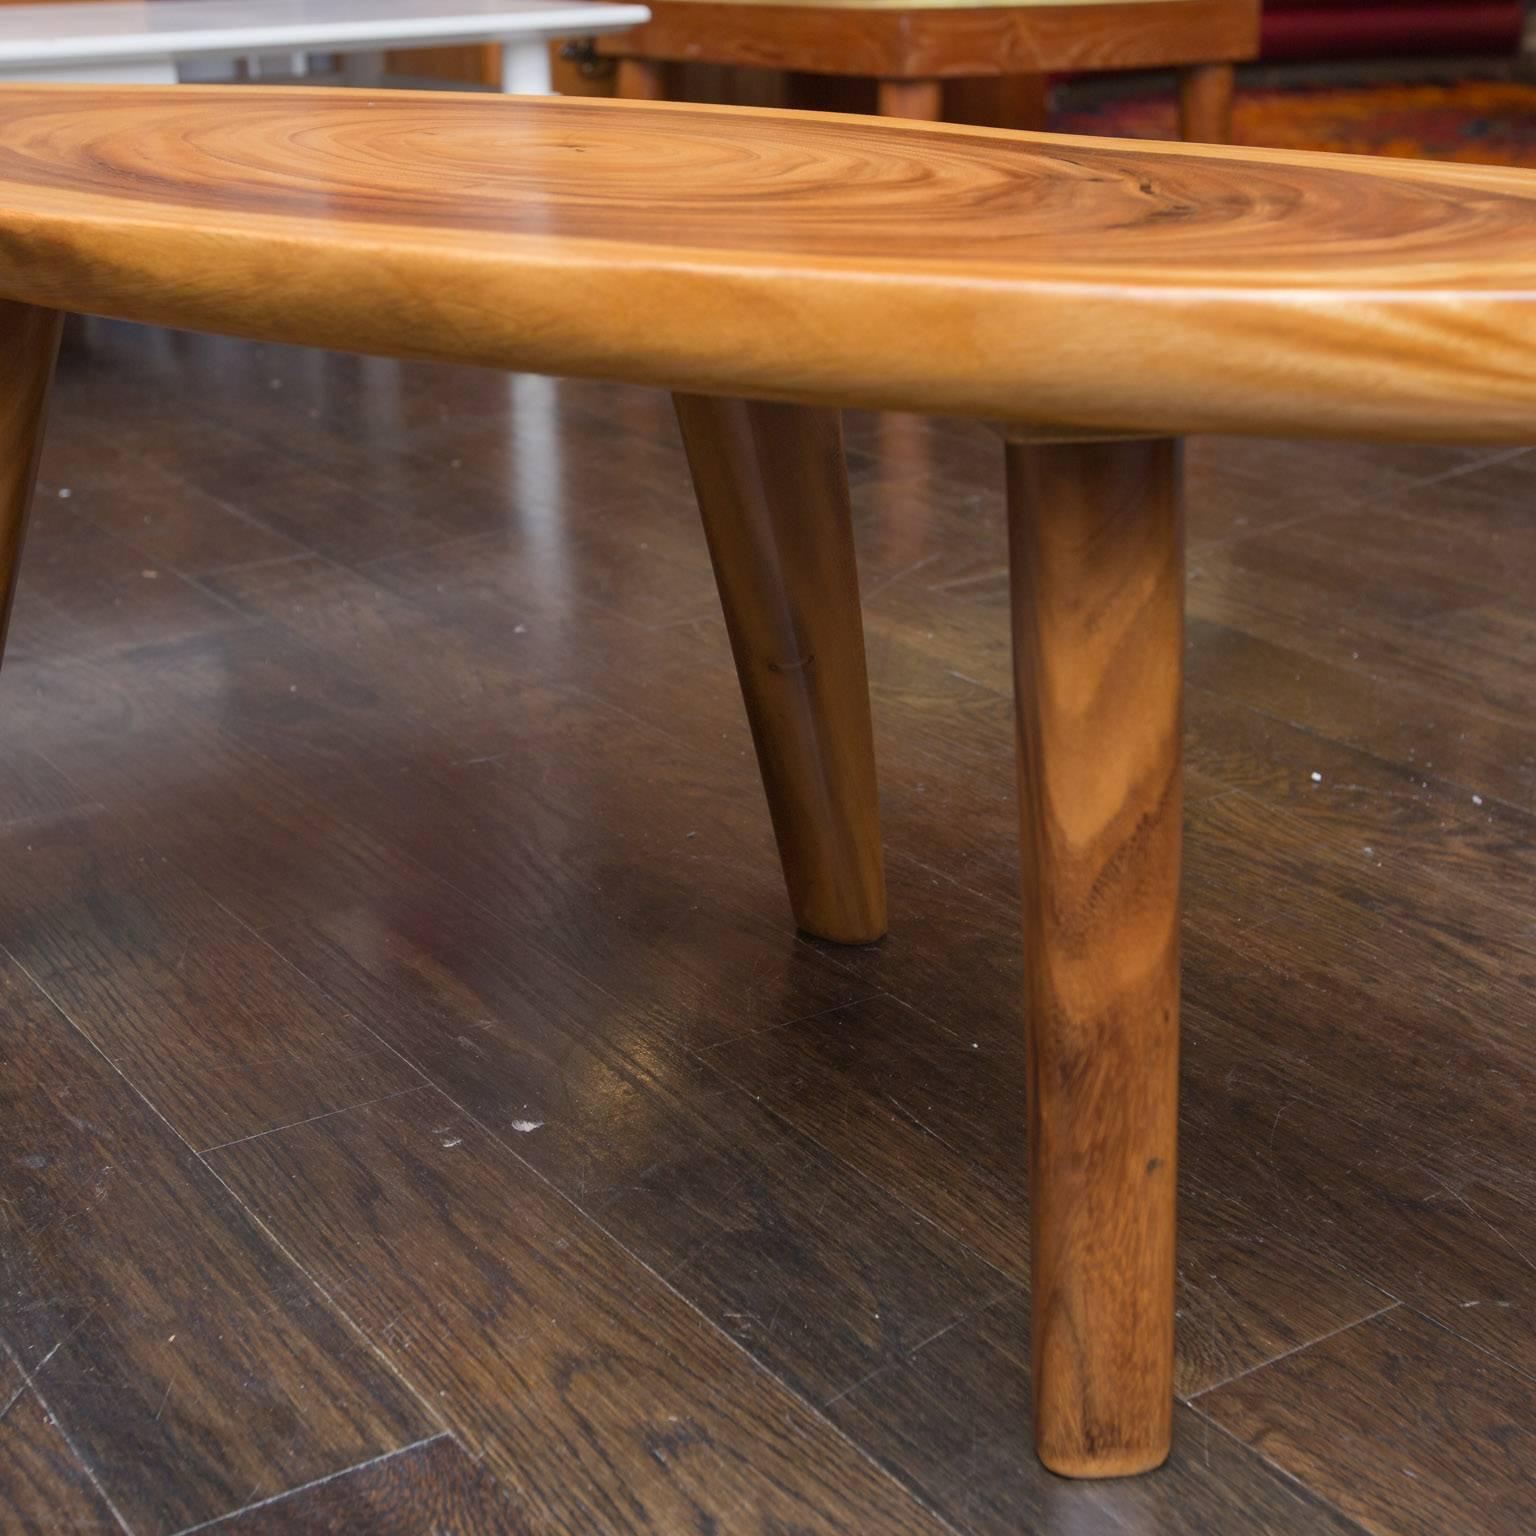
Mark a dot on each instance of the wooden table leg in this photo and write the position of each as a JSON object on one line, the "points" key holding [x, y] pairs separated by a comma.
{"points": [[774, 496], [29, 342], [641, 80], [1097, 573], [919, 99], [1205, 103]]}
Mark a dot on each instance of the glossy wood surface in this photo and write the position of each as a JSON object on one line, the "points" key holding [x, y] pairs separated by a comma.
{"points": [[304, 767], [773, 492], [31, 339], [817, 259], [1097, 567]]}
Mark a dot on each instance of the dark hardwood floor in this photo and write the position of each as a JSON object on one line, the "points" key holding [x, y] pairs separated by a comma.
{"points": [[417, 1114]]}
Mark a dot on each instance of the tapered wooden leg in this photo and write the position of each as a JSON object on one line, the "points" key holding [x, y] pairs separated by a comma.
{"points": [[774, 496], [1205, 103], [29, 342], [922, 100], [641, 80], [1097, 572]]}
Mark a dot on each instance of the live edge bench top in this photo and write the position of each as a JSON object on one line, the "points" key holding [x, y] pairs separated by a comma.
{"points": [[1064, 281]]}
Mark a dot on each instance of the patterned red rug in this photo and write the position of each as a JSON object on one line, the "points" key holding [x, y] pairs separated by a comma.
{"points": [[1490, 122]]}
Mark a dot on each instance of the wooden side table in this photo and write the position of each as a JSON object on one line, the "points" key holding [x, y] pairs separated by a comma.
{"points": [[911, 47]]}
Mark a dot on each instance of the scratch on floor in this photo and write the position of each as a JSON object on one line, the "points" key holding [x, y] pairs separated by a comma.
{"points": [[909, 1116]]}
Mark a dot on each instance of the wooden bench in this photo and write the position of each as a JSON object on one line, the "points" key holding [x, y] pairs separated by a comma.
{"points": [[769, 268], [912, 49]]}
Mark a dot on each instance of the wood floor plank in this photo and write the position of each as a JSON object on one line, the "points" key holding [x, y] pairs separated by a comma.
{"points": [[43, 1487], [942, 1119], [192, 1365], [478, 1004], [119, 491], [1228, 1334], [435, 1488], [307, 503], [1401, 817], [109, 594], [1400, 1424], [31, 786], [1348, 704], [596, 1395], [475, 768], [192, 1007], [959, 1411]]}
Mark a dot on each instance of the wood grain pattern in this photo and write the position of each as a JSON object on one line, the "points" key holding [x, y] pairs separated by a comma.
{"points": [[1098, 608], [917, 100], [953, 1420], [100, 908], [944, 41], [591, 1390], [773, 492], [1378, 297], [848, 1079], [193, 1366], [1205, 103], [1370, 1417], [30, 342], [1357, 1067], [435, 1487], [43, 1486]]}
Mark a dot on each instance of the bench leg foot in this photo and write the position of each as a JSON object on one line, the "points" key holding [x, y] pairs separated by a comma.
{"points": [[1097, 576], [29, 342], [1205, 103], [774, 497]]}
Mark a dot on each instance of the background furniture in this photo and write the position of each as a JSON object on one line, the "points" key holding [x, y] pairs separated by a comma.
{"points": [[1332, 29], [110, 42], [1104, 299], [912, 49]]}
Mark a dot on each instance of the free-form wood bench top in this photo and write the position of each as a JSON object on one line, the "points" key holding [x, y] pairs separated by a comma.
{"points": [[1047, 279]]}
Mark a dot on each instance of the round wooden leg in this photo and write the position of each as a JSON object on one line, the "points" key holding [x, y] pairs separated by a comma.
{"points": [[774, 497], [29, 342], [1097, 572], [641, 80], [1205, 103], [919, 99]]}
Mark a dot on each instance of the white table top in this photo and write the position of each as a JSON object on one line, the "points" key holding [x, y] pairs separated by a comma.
{"points": [[112, 30]]}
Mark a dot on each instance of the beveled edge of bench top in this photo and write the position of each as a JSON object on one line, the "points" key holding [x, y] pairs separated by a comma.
{"points": [[1065, 281]]}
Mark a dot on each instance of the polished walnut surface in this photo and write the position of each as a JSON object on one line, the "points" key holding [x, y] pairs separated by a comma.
{"points": [[806, 257]]}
